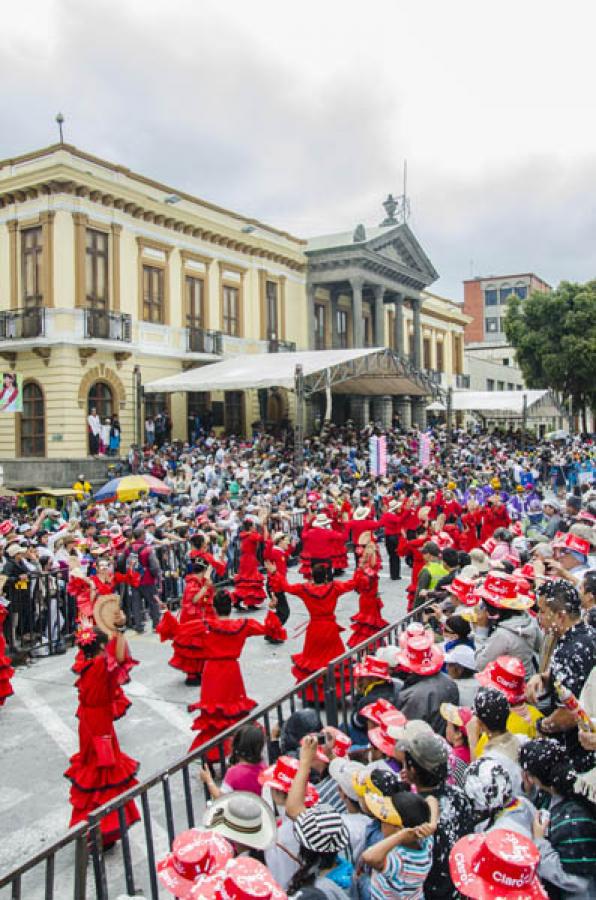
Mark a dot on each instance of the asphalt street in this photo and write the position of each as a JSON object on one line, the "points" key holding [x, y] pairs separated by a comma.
{"points": [[38, 730]]}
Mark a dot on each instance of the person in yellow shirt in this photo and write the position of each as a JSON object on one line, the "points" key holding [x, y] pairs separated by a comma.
{"points": [[508, 675], [83, 488]]}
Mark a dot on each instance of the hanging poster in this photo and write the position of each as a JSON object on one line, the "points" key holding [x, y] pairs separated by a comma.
{"points": [[11, 396]]}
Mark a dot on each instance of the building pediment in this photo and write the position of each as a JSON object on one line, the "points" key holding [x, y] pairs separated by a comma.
{"points": [[400, 246]]}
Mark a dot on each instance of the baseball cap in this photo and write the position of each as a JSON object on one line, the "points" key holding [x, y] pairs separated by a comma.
{"points": [[462, 655], [429, 751], [342, 771]]}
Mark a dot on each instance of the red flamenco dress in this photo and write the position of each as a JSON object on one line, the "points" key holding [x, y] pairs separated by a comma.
{"points": [[187, 632], [224, 700], [322, 641], [249, 583], [368, 619], [100, 770], [6, 670]]}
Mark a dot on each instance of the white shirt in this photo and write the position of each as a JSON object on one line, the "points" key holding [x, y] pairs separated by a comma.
{"points": [[94, 423], [282, 866]]}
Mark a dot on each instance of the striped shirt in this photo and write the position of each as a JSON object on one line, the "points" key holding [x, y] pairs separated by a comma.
{"points": [[404, 874]]}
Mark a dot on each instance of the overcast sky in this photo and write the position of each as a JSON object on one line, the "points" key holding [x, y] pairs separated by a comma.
{"points": [[301, 114]]}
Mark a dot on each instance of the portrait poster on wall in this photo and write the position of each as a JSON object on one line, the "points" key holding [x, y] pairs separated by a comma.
{"points": [[11, 395]]}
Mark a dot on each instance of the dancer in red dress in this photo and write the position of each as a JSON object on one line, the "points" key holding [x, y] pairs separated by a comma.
{"points": [[186, 633], [278, 551], [368, 619], [6, 670], [100, 771], [249, 590], [322, 641], [223, 696], [494, 515], [323, 544]]}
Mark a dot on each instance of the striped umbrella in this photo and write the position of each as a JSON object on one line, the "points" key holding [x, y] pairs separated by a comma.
{"points": [[131, 487]]}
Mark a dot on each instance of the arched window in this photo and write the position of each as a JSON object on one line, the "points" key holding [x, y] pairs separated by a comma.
{"points": [[33, 421], [101, 399]]}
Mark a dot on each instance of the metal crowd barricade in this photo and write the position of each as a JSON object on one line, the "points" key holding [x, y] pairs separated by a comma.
{"points": [[41, 613]]}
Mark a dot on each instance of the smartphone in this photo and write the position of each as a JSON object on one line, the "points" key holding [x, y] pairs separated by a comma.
{"points": [[321, 739]]}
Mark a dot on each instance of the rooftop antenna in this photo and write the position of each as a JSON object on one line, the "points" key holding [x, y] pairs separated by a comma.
{"points": [[60, 123]]}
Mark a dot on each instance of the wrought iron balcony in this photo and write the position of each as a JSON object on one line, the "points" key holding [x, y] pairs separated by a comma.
{"points": [[199, 340], [107, 326], [462, 381], [20, 324], [276, 346], [434, 376]]}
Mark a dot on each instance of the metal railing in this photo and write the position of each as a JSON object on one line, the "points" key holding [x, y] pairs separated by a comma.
{"points": [[107, 326], [20, 324], [168, 797], [276, 346], [199, 340]]}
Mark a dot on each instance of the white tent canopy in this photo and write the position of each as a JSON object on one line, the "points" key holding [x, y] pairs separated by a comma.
{"points": [[505, 404], [375, 369]]}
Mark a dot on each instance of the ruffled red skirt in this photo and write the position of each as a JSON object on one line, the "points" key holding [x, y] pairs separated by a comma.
{"points": [[223, 703], [368, 620], [250, 591], [322, 644], [93, 784], [187, 643], [6, 673]]}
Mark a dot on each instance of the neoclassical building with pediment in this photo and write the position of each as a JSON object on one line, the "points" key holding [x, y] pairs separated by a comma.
{"points": [[110, 280]]}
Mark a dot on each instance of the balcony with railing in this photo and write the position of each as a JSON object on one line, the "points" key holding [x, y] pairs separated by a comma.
{"points": [[107, 326], [276, 346], [462, 381], [200, 340], [22, 324], [434, 376]]}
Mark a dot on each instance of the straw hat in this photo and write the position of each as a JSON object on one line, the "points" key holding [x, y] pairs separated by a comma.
{"points": [[242, 817]]}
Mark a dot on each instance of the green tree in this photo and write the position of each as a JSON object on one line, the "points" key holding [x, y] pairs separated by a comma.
{"points": [[554, 337]]}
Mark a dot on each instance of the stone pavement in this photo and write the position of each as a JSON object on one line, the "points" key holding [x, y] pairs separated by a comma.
{"points": [[39, 732]]}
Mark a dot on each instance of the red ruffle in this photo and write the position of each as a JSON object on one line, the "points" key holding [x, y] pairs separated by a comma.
{"points": [[273, 627], [167, 627]]}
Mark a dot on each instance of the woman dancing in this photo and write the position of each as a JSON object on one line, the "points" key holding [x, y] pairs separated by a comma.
{"points": [[368, 619], [249, 590], [100, 771]]}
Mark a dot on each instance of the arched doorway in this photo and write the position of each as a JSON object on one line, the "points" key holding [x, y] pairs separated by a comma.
{"points": [[100, 404], [32, 438]]}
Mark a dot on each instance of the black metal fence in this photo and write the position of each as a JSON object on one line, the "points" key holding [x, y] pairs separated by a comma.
{"points": [[170, 803]]}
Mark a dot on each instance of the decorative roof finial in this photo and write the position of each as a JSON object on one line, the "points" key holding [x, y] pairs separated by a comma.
{"points": [[390, 206], [60, 123]]}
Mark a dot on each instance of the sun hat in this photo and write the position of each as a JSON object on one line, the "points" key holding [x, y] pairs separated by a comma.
{"points": [[242, 817], [381, 739], [488, 785], [421, 655], [389, 654], [496, 864], [382, 712], [456, 715], [321, 520], [281, 775], [342, 770], [508, 675], [383, 809], [430, 751], [363, 512], [376, 779], [414, 629], [479, 560], [14, 549], [321, 829], [194, 852], [501, 590], [462, 588], [372, 667], [393, 504], [572, 542], [242, 878], [461, 655]]}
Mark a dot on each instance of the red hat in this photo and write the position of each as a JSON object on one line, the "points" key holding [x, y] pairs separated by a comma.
{"points": [[501, 590], [6, 527], [242, 878], [584, 516], [118, 541], [371, 667], [379, 738], [193, 852], [421, 655], [572, 542], [497, 864], [342, 742], [516, 529], [508, 675], [489, 545], [281, 775], [442, 540], [414, 629], [382, 712], [527, 571], [463, 589], [148, 521]]}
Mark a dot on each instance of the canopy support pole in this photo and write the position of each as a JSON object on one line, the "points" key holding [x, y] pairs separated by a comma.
{"points": [[524, 420], [328, 397], [449, 415], [299, 428]]}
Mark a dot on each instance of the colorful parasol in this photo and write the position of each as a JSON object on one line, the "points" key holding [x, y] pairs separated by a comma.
{"points": [[131, 487]]}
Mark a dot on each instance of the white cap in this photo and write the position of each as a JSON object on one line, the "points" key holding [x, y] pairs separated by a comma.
{"points": [[462, 655], [388, 654], [342, 771]]}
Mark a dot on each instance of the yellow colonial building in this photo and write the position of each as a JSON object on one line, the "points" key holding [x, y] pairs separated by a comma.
{"points": [[110, 280]]}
